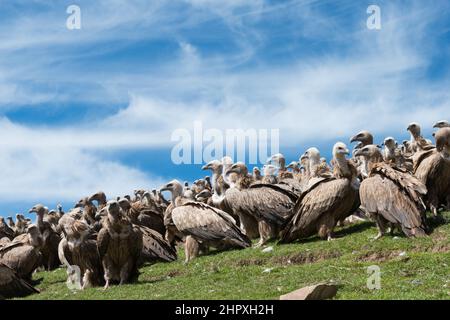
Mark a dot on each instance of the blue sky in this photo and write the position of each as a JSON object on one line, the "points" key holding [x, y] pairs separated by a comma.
{"points": [[90, 109]]}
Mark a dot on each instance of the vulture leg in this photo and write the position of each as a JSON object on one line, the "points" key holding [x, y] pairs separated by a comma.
{"points": [[381, 225], [87, 283], [125, 271], [108, 275], [191, 248], [249, 225], [326, 226], [266, 232]]}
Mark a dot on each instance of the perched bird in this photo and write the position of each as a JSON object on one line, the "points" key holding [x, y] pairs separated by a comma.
{"points": [[392, 154], [364, 138], [326, 201], [203, 224], [279, 161], [418, 143], [78, 249], [50, 238], [270, 174], [119, 246], [11, 285], [100, 197], [23, 254], [392, 195], [266, 207], [256, 174], [432, 168], [5, 230]]}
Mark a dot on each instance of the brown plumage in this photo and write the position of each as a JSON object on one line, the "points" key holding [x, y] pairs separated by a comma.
{"points": [[392, 195], [325, 202], [11, 285], [22, 254], [207, 225], [78, 249], [50, 238], [263, 206], [432, 167], [154, 248], [5, 230], [418, 143], [141, 214], [119, 246]]}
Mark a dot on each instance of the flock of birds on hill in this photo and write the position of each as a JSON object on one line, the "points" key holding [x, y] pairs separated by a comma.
{"points": [[105, 242]]}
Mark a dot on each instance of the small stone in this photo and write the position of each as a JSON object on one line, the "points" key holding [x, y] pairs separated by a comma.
{"points": [[268, 270], [416, 282], [319, 291], [268, 249], [402, 254]]}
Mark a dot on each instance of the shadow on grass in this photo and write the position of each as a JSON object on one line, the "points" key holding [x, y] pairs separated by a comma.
{"points": [[354, 228]]}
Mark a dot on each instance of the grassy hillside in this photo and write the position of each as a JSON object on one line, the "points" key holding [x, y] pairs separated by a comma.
{"points": [[410, 269]]}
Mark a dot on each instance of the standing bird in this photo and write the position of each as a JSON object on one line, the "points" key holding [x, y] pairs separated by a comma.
{"points": [[78, 248], [50, 238], [5, 230], [432, 167], [418, 143], [119, 246], [326, 201], [203, 224], [392, 195], [266, 207], [23, 255], [364, 138]]}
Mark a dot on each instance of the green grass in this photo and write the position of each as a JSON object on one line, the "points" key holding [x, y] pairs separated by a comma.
{"points": [[422, 273]]}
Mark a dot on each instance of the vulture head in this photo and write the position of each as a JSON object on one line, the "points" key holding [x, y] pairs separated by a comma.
{"points": [[124, 204], [390, 143], [442, 124], [203, 196], [270, 170], [278, 160], [113, 210], [100, 197], [442, 137], [414, 129], [294, 165], [313, 155], [10, 219], [364, 137], [83, 202], [340, 150], [371, 153], [174, 187], [256, 173], [39, 209], [239, 168], [215, 166]]}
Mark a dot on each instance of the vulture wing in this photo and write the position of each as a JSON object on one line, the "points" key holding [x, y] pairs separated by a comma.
{"points": [[11, 285], [103, 238], [271, 203], [381, 195], [324, 196], [207, 223], [155, 248]]}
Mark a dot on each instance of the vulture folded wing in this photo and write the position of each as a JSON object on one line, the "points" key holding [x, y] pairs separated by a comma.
{"points": [[322, 197], [206, 223], [155, 248], [103, 238], [11, 285], [383, 196]]}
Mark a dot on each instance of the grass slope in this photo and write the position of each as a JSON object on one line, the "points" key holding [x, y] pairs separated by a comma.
{"points": [[410, 269]]}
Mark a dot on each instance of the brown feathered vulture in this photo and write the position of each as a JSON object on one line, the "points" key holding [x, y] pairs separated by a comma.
{"points": [[263, 206], [155, 247], [432, 167], [50, 238], [418, 143], [78, 251], [5, 230], [326, 201], [23, 253], [11, 285], [119, 245], [392, 195], [203, 224]]}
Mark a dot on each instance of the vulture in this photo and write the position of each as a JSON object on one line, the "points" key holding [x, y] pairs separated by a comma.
{"points": [[256, 174], [140, 214], [154, 248], [442, 124], [50, 238], [364, 138], [266, 207], [100, 197], [326, 201], [23, 255], [270, 174], [418, 143], [119, 246], [432, 168], [89, 210], [11, 223], [203, 224], [11, 285], [218, 183], [5, 230], [392, 195], [280, 161], [78, 249], [392, 154]]}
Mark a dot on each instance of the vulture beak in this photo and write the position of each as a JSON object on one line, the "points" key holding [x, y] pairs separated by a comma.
{"points": [[269, 160], [434, 134], [359, 153], [347, 152], [234, 168], [354, 139], [32, 210], [207, 166]]}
